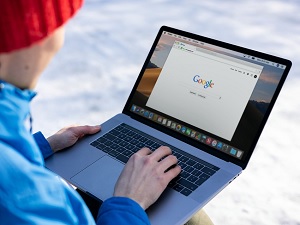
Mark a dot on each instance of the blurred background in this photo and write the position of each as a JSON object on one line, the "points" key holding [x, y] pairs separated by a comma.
{"points": [[105, 47]]}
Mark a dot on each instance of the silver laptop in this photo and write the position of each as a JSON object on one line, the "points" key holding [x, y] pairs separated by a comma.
{"points": [[206, 99]]}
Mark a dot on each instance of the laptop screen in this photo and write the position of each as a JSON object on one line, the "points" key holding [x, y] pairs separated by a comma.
{"points": [[213, 95]]}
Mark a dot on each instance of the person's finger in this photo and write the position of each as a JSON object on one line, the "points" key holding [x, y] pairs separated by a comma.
{"points": [[172, 173], [161, 152], [82, 130], [167, 162], [144, 151]]}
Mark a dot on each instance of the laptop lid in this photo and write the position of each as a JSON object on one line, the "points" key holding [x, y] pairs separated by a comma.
{"points": [[210, 94]]}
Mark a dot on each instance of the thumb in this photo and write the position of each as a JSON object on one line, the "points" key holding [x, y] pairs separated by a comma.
{"points": [[83, 130]]}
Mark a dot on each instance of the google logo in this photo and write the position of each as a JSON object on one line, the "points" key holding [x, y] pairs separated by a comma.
{"points": [[205, 83]]}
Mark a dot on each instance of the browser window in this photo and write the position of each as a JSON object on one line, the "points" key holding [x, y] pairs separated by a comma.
{"points": [[221, 85]]}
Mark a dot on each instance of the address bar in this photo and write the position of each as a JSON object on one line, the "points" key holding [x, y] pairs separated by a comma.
{"points": [[251, 67], [228, 60]]}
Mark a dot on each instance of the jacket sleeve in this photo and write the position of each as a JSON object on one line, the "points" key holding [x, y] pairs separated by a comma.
{"points": [[43, 144], [121, 210], [31, 194]]}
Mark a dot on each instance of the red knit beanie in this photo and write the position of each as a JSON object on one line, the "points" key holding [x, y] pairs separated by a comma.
{"points": [[24, 22]]}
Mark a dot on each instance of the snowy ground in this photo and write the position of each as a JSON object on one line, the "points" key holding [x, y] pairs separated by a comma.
{"points": [[106, 45]]}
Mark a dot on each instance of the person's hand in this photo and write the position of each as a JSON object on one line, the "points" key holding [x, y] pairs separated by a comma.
{"points": [[145, 176], [68, 136]]}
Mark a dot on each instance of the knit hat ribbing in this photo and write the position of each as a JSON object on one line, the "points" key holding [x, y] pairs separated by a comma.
{"points": [[24, 22]]}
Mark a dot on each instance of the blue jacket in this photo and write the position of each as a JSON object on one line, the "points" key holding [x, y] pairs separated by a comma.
{"points": [[31, 194]]}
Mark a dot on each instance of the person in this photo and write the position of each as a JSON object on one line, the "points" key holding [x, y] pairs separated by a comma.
{"points": [[31, 34]]}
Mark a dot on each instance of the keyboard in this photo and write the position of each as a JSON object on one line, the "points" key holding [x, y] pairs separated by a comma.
{"points": [[123, 141]]}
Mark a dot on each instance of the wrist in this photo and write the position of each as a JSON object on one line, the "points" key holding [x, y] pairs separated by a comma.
{"points": [[53, 146], [132, 198]]}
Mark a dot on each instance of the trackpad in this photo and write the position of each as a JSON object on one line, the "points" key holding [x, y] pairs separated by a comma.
{"points": [[99, 178]]}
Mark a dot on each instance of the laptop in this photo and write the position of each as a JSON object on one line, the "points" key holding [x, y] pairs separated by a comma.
{"points": [[207, 100]]}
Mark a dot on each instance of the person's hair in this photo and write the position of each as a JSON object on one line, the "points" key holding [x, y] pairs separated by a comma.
{"points": [[25, 22]]}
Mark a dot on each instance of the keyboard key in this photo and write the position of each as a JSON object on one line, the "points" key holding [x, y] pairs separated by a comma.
{"points": [[186, 192], [149, 142], [155, 146], [117, 140], [198, 166], [192, 178], [187, 184], [143, 139], [137, 136], [201, 180], [182, 165], [102, 140], [113, 153], [127, 153], [130, 147], [196, 173], [109, 137], [120, 149], [208, 171], [115, 133], [119, 128], [178, 155], [128, 138], [122, 136], [184, 159], [134, 141], [174, 181], [123, 143], [135, 149], [184, 174], [106, 149], [122, 158], [101, 146], [140, 145], [188, 169], [124, 131], [108, 143], [204, 176], [178, 187], [131, 133], [191, 162], [114, 146], [94, 143]]}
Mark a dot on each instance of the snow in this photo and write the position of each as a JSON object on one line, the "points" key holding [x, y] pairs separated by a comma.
{"points": [[105, 47]]}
